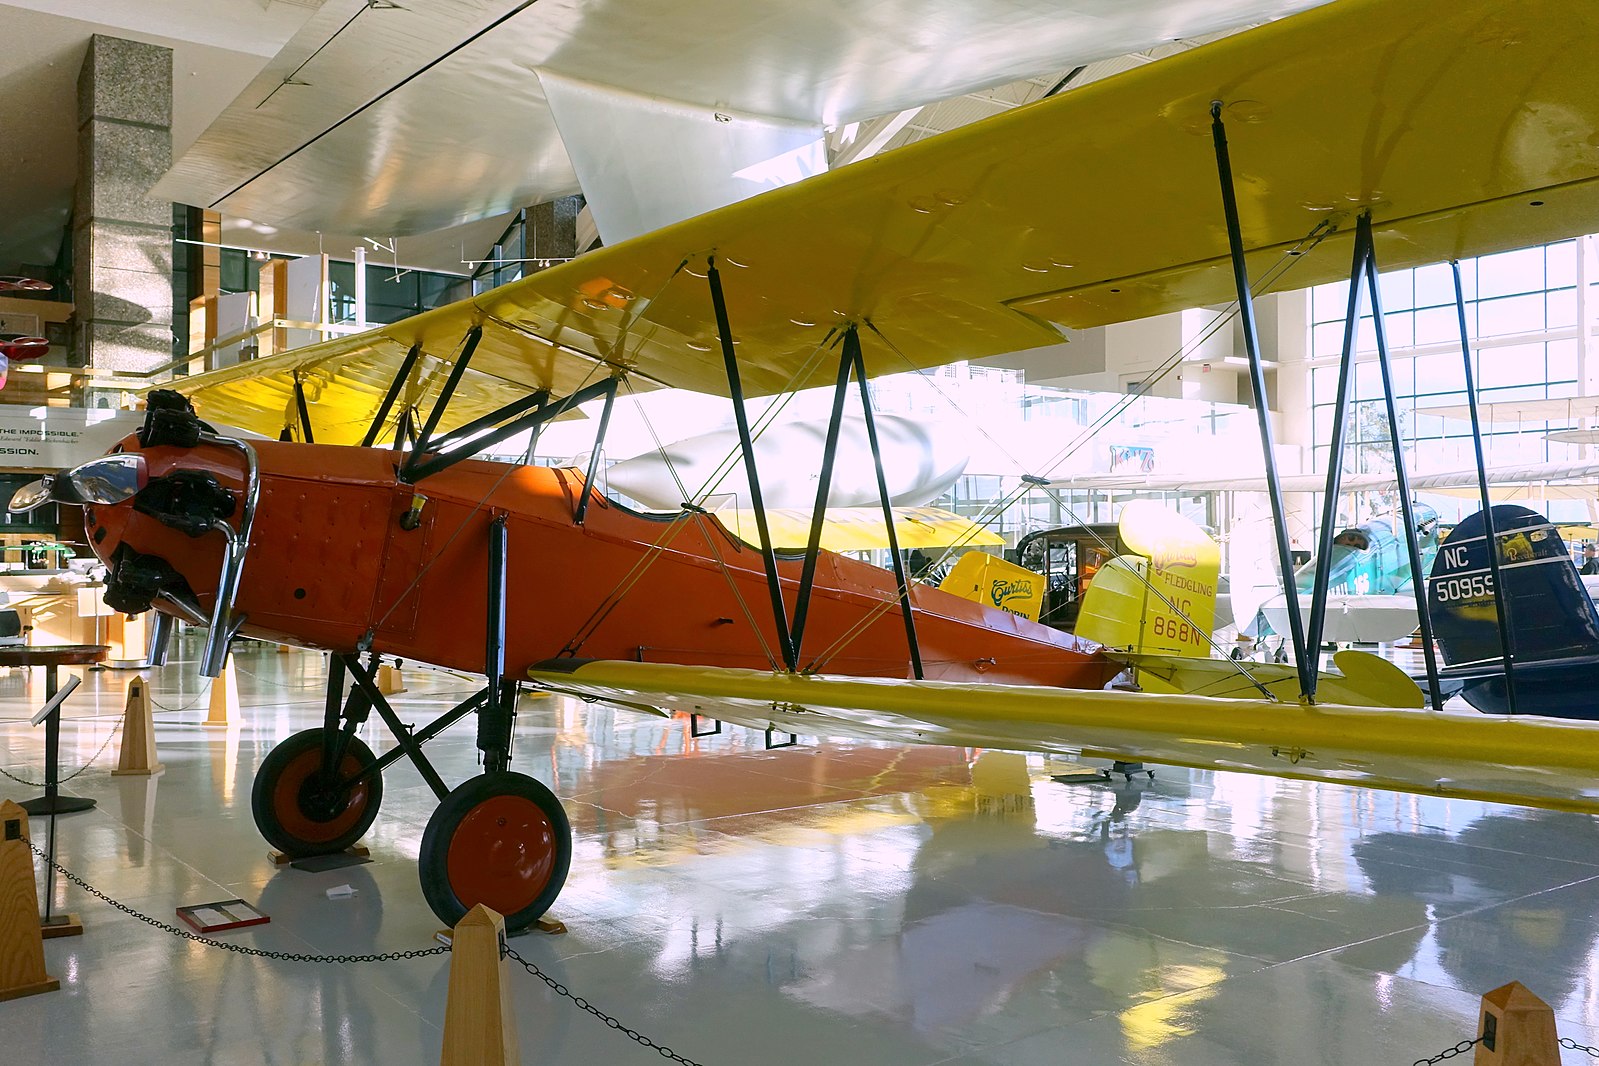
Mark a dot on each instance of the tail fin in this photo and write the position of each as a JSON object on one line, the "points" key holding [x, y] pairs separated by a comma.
{"points": [[1551, 614], [990, 580], [1161, 599], [1112, 611]]}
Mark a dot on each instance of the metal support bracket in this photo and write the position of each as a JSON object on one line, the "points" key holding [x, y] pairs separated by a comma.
{"points": [[694, 729], [771, 731], [417, 468]]}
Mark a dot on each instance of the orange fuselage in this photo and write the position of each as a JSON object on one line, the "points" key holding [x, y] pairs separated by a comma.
{"points": [[329, 565]]}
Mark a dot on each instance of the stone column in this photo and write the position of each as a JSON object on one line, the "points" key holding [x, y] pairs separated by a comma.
{"points": [[121, 239], [552, 230]]}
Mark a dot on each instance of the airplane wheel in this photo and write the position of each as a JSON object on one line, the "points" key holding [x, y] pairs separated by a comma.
{"points": [[502, 840], [297, 813]]}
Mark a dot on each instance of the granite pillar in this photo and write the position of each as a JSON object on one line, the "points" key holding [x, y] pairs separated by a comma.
{"points": [[122, 239], [552, 230]]}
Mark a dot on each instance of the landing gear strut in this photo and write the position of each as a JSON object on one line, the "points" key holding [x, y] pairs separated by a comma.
{"points": [[501, 839]]}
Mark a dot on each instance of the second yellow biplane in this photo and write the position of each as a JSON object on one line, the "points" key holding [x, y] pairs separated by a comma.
{"points": [[1361, 130]]}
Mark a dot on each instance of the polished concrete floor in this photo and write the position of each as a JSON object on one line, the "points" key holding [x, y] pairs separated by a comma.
{"points": [[831, 903]]}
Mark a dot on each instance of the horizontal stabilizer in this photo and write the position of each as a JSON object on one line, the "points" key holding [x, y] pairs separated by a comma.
{"points": [[1363, 680]]}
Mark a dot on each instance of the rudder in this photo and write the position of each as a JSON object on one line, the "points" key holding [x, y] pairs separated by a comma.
{"points": [[1551, 614]]}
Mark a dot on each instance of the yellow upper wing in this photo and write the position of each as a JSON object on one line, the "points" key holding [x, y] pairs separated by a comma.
{"points": [[1465, 126], [1524, 760]]}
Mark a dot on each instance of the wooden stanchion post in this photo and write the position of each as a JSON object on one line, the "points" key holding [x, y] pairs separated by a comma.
{"points": [[138, 733], [390, 682], [1515, 1028], [224, 711], [21, 945], [479, 1028]]}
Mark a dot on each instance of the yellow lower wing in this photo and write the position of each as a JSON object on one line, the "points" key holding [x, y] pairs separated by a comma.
{"points": [[1522, 760], [1363, 680]]}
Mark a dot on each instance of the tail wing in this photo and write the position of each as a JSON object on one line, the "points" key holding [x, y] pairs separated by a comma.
{"points": [[1363, 680], [1552, 615], [1162, 597], [990, 580]]}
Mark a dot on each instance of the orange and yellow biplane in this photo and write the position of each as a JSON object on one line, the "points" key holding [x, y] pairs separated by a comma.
{"points": [[1418, 132]]}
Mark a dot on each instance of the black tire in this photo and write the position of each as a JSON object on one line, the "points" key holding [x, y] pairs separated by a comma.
{"points": [[502, 840], [290, 813]]}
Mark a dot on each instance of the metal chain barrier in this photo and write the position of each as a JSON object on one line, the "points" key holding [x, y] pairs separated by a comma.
{"points": [[583, 1004], [41, 784], [316, 683], [20, 780], [286, 956], [198, 696], [387, 956], [1567, 1042], [1449, 1052]]}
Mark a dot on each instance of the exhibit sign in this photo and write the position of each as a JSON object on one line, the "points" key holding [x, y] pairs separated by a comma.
{"points": [[50, 438]]}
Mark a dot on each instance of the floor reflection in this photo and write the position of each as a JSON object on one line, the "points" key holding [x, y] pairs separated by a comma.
{"points": [[848, 901]]}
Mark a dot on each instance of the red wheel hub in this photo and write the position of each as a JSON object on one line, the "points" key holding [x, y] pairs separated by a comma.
{"points": [[292, 816], [502, 854]]}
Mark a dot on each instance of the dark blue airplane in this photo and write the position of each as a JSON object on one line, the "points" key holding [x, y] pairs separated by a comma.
{"points": [[1554, 629]]}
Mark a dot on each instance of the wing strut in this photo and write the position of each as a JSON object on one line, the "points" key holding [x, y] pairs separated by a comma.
{"points": [[405, 428], [305, 412], [824, 486], [447, 393], [736, 390], [852, 351], [531, 402], [852, 361], [1257, 380], [1507, 645], [389, 397], [1335, 458], [1362, 284], [464, 446], [1407, 506], [494, 722], [594, 456]]}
